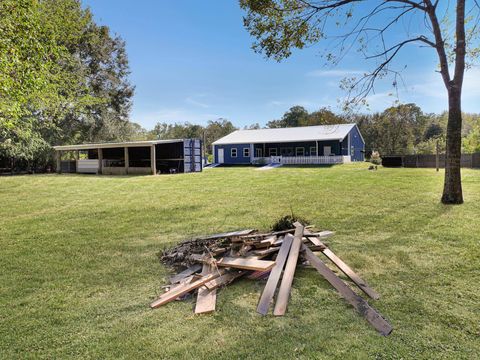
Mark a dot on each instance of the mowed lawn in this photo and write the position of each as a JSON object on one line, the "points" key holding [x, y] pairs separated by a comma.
{"points": [[79, 265]]}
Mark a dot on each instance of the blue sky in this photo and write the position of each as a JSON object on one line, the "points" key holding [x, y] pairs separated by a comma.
{"points": [[192, 61]]}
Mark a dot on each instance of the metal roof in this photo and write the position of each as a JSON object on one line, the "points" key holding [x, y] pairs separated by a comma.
{"points": [[115, 144], [294, 134]]}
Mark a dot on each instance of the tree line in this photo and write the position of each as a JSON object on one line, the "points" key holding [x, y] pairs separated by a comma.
{"points": [[398, 130]]}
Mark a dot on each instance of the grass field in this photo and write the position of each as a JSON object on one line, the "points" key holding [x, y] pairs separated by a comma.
{"points": [[79, 265]]}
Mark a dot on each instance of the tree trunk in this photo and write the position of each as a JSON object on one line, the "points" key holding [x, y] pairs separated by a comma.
{"points": [[452, 188]]}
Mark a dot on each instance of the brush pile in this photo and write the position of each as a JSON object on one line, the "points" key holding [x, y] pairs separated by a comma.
{"points": [[209, 263]]}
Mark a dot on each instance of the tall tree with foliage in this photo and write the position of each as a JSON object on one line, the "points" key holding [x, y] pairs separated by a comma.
{"points": [[214, 130], [378, 29], [299, 116], [63, 78]]}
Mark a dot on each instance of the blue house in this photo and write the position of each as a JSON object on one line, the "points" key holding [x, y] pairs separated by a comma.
{"points": [[324, 144]]}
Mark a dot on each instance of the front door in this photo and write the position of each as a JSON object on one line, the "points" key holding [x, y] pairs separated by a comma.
{"points": [[220, 159], [327, 150]]}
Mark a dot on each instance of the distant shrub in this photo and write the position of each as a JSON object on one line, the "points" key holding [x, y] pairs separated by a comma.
{"points": [[286, 222], [375, 158]]}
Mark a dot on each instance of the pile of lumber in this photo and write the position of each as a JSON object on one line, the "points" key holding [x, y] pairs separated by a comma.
{"points": [[212, 262]]}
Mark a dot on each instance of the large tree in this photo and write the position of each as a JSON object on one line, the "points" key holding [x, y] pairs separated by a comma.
{"points": [[379, 28], [63, 79]]}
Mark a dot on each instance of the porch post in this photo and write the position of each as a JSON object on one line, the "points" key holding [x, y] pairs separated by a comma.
{"points": [[252, 147], [316, 142], [264, 155], [125, 151], [100, 161], [153, 158], [58, 156]]}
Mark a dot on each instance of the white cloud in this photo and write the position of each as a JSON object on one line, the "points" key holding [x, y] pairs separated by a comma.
{"points": [[193, 101], [335, 73]]}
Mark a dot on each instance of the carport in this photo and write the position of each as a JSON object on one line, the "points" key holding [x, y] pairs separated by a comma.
{"points": [[137, 157]]}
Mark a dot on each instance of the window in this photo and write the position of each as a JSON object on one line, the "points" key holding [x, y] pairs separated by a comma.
{"points": [[258, 152], [272, 151], [286, 151], [246, 152], [352, 152], [300, 151], [233, 152], [313, 151]]}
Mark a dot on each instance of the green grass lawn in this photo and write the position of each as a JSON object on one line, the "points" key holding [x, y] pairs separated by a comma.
{"points": [[79, 264]]}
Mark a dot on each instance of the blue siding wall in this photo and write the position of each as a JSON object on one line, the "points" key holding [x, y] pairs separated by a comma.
{"points": [[227, 153], [357, 145]]}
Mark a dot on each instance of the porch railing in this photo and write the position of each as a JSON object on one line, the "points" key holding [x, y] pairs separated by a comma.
{"points": [[300, 160]]}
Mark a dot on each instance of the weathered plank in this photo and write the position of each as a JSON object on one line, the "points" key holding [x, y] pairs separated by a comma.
{"points": [[285, 286], [322, 234], [185, 273], [181, 290], [224, 279], [372, 316], [269, 290], [246, 263], [228, 234], [266, 251], [362, 284], [206, 300]]}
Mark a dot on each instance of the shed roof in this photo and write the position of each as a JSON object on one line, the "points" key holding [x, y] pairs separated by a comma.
{"points": [[115, 144], [305, 133]]}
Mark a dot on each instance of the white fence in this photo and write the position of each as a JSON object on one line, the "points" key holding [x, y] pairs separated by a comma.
{"points": [[301, 160]]}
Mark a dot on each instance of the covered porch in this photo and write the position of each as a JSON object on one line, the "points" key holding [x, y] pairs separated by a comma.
{"points": [[301, 153]]}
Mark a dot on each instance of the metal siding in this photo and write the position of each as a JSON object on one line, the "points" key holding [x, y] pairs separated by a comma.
{"points": [[192, 155], [240, 159], [358, 145]]}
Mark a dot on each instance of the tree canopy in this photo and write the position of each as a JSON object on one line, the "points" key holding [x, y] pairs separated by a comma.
{"points": [[63, 78]]}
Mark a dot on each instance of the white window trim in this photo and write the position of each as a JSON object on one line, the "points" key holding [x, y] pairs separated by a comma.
{"points": [[313, 149], [231, 152], [271, 150], [246, 152], [298, 148], [258, 152]]}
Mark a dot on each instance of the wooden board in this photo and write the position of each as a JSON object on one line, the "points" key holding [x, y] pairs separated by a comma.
{"points": [[372, 316], [245, 263], [224, 279], [285, 286], [266, 251], [346, 269], [185, 273], [206, 300], [272, 282], [181, 290], [322, 234], [228, 234]]}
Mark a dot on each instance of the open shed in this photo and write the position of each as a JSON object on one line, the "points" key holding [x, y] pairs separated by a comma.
{"points": [[136, 157]]}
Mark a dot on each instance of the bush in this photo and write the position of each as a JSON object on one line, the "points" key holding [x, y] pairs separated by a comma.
{"points": [[375, 158], [286, 222]]}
